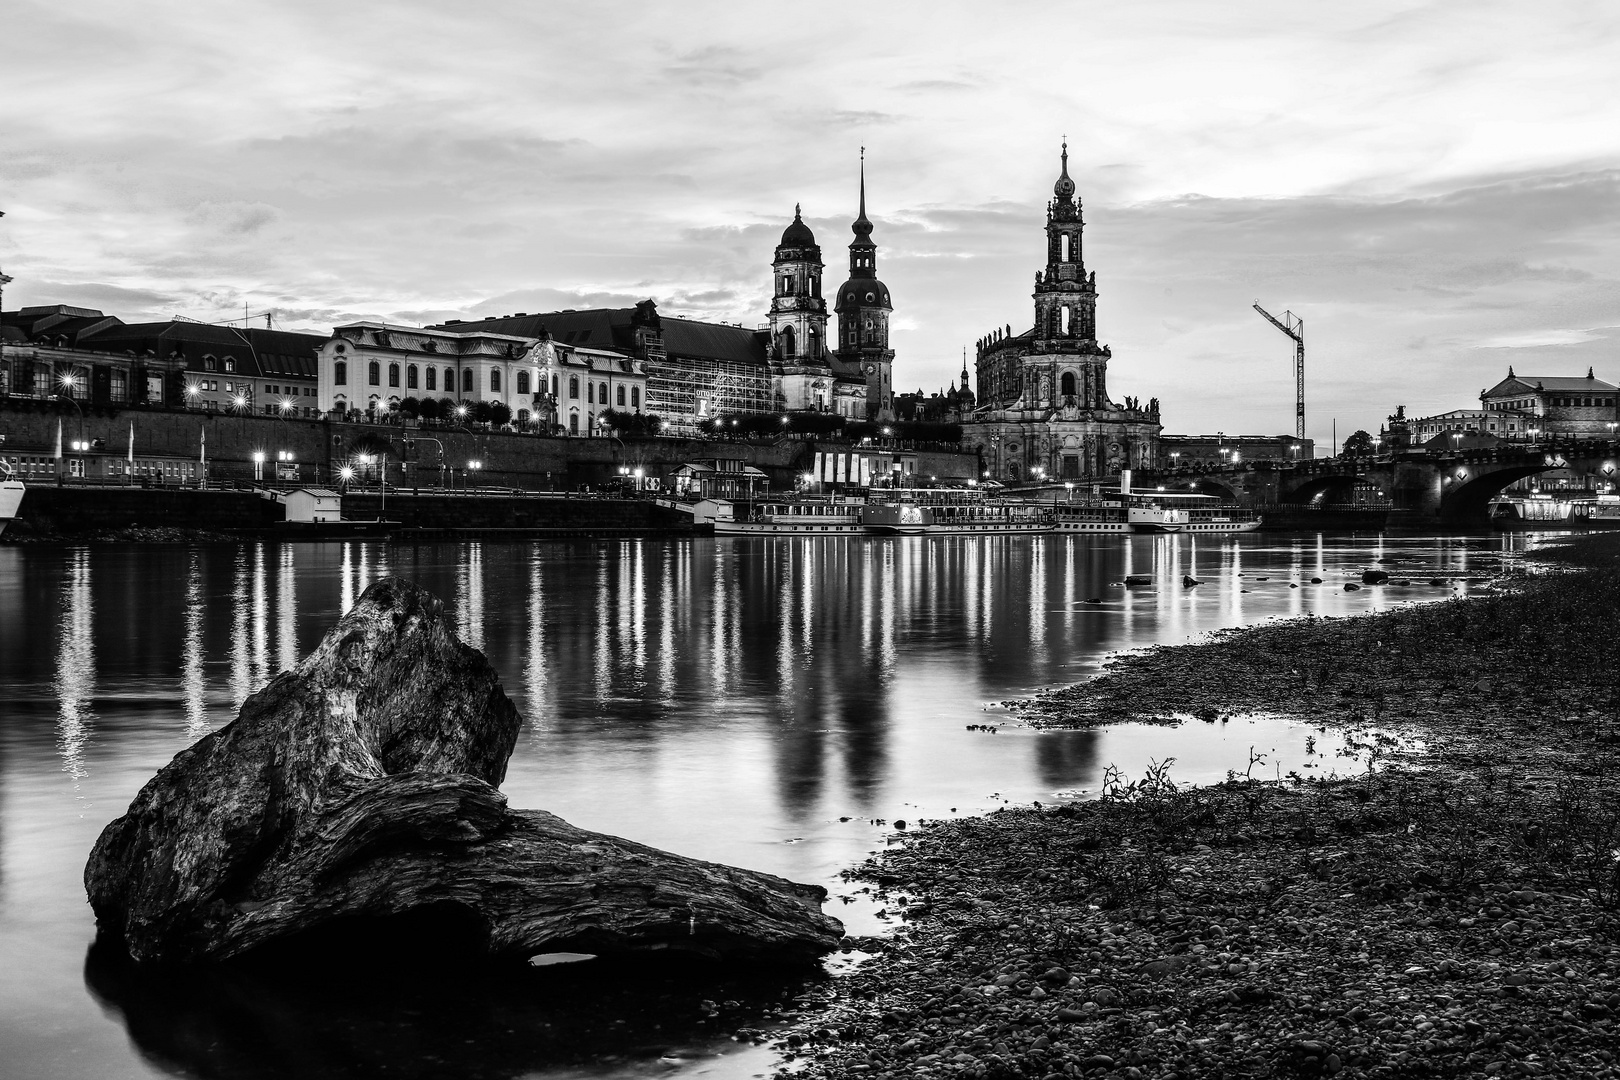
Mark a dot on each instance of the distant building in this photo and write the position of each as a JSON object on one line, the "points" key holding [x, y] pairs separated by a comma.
{"points": [[1552, 405], [1212, 451], [697, 370], [1043, 409], [374, 367], [60, 350]]}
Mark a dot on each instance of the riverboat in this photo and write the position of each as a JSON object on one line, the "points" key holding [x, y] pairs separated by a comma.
{"points": [[1126, 510], [803, 515], [11, 494], [944, 512], [1604, 512]]}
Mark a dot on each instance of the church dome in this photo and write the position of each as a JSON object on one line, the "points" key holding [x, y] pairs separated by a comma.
{"points": [[859, 293], [798, 234]]}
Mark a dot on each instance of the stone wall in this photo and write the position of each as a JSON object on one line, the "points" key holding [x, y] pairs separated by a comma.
{"points": [[508, 459]]}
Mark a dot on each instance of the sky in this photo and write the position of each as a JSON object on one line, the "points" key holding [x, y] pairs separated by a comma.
{"points": [[1433, 187]]}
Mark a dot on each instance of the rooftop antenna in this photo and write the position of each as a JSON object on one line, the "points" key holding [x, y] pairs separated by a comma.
{"points": [[1294, 327]]}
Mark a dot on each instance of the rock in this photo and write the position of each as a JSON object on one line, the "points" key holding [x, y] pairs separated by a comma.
{"points": [[1351, 586], [1138, 579], [1374, 577], [1188, 581], [353, 802], [1316, 581]]}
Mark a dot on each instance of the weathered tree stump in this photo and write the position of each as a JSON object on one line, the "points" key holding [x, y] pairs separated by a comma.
{"points": [[355, 796]]}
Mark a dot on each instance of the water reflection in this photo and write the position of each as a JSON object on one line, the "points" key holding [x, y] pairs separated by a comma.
{"points": [[191, 662], [243, 1024], [752, 702], [75, 683]]}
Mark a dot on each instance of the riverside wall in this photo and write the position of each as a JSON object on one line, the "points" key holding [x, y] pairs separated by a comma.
{"points": [[531, 462]]}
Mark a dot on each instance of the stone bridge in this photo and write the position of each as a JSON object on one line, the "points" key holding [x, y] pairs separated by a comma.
{"points": [[1428, 489]]}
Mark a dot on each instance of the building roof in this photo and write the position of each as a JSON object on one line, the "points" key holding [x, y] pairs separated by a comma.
{"points": [[257, 352], [614, 328], [1531, 384], [319, 493]]}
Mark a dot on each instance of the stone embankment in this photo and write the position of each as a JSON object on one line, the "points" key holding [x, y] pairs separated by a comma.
{"points": [[1446, 903]]}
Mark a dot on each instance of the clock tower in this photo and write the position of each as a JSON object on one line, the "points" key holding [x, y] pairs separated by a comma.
{"points": [[863, 309]]}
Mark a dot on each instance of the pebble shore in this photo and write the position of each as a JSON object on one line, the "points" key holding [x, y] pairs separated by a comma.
{"points": [[1446, 902]]}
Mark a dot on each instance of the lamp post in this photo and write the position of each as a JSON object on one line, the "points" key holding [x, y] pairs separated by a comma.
{"points": [[473, 466], [258, 466], [1175, 459], [70, 383]]}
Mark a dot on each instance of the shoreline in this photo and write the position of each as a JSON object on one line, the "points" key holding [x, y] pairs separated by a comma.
{"points": [[1449, 908]]}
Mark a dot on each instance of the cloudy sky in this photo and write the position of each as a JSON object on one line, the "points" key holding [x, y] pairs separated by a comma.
{"points": [[1434, 187]]}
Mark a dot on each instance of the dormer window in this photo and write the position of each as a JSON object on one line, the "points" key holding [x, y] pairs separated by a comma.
{"points": [[230, 364]]}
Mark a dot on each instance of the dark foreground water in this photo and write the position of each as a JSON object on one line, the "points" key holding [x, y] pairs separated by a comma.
{"points": [[753, 702]]}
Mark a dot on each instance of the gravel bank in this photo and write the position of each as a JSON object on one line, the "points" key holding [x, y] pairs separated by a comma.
{"points": [[1448, 905]]}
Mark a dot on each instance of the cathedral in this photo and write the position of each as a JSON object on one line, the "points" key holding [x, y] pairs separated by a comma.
{"points": [[1043, 408]]}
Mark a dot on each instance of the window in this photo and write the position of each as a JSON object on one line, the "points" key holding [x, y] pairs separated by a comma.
{"points": [[432, 378], [411, 381], [590, 393], [601, 393], [554, 386], [1068, 384], [635, 397], [230, 364], [449, 379], [621, 397], [393, 374], [573, 390], [210, 364], [466, 380], [523, 416], [494, 381], [573, 422], [375, 373]]}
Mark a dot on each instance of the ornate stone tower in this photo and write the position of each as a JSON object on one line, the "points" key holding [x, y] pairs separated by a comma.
{"points": [[798, 312], [1066, 300], [863, 317]]}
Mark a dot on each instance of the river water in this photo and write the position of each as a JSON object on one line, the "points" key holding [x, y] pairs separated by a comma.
{"points": [[775, 704]]}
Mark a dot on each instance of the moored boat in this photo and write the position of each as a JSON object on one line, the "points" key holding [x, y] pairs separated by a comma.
{"points": [[802, 515], [11, 494]]}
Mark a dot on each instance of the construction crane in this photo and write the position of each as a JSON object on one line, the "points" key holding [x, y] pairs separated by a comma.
{"points": [[1294, 327]]}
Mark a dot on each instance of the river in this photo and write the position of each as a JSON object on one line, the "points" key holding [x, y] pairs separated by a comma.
{"points": [[776, 704]]}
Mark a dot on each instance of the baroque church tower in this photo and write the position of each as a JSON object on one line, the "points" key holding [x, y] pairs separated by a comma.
{"points": [[798, 312], [1043, 413], [863, 309]]}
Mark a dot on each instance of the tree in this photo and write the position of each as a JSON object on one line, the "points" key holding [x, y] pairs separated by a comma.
{"points": [[428, 409], [499, 414], [480, 412], [1358, 443], [411, 407]]}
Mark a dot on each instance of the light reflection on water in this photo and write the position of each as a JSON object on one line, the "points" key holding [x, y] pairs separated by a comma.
{"points": [[732, 700]]}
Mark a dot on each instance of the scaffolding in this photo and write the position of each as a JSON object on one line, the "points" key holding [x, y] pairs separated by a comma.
{"points": [[684, 390]]}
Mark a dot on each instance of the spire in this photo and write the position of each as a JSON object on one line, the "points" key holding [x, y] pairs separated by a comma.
{"points": [[862, 227], [1064, 188], [795, 211]]}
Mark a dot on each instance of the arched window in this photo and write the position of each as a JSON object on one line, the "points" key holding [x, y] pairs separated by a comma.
{"points": [[590, 393], [573, 392], [523, 416], [635, 397], [554, 386], [1068, 384], [375, 371], [494, 381], [523, 382], [573, 423], [621, 396], [785, 341], [601, 393], [466, 380], [432, 378], [449, 379], [1063, 324], [411, 374], [1065, 245], [393, 374], [340, 373]]}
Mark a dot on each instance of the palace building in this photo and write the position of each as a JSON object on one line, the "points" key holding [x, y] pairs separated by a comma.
{"points": [[1043, 408], [691, 370]]}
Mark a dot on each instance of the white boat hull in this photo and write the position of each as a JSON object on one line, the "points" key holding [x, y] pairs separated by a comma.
{"points": [[11, 496]]}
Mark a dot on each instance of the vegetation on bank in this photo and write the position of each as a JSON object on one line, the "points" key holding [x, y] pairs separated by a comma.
{"points": [[1447, 904]]}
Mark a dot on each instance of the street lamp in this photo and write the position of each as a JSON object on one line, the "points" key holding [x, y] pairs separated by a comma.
{"points": [[1069, 485], [1175, 459], [258, 465]]}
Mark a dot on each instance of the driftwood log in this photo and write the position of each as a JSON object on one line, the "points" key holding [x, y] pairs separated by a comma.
{"points": [[355, 797]]}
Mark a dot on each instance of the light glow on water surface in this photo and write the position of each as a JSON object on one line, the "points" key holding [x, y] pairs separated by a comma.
{"points": [[757, 702]]}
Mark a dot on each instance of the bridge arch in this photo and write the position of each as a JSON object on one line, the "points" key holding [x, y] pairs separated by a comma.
{"points": [[1332, 488], [1466, 491]]}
